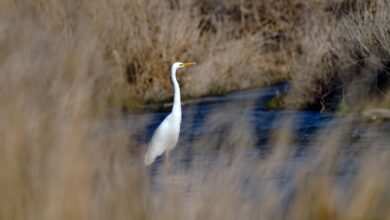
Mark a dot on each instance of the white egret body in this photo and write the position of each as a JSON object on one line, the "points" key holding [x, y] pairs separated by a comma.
{"points": [[167, 134]]}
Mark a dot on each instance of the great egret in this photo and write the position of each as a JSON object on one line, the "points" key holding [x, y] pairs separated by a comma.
{"points": [[167, 134]]}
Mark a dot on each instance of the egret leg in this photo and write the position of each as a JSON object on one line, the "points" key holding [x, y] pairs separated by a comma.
{"points": [[167, 160]]}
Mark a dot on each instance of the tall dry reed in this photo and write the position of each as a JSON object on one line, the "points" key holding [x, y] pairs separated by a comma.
{"points": [[345, 58], [60, 160]]}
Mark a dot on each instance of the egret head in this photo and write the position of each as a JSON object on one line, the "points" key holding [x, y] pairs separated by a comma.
{"points": [[178, 65]]}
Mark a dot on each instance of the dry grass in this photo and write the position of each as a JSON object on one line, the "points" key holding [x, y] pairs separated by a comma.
{"points": [[58, 77], [345, 58], [327, 50], [145, 37]]}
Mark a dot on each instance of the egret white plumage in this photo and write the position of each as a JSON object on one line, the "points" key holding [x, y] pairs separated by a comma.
{"points": [[167, 134]]}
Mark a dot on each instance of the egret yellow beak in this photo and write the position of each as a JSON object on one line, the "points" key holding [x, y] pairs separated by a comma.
{"points": [[187, 64]]}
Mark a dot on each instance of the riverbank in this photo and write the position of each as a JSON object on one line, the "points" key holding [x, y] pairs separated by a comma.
{"points": [[334, 54], [67, 67]]}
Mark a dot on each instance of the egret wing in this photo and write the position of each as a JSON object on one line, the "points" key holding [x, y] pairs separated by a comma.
{"points": [[161, 141]]}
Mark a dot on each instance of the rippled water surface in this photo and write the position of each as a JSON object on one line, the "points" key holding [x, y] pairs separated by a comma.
{"points": [[263, 122], [251, 103], [205, 120]]}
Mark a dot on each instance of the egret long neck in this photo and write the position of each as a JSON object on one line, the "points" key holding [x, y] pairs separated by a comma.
{"points": [[176, 109]]}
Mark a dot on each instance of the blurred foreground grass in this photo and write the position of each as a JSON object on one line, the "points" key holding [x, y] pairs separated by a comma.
{"points": [[62, 70]]}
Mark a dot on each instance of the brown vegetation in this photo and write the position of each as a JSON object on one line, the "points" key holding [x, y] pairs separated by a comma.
{"points": [[345, 57], [61, 71], [238, 45], [325, 49]]}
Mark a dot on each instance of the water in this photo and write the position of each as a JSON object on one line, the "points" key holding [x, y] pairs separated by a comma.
{"points": [[251, 103], [248, 108], [200, 121]]}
